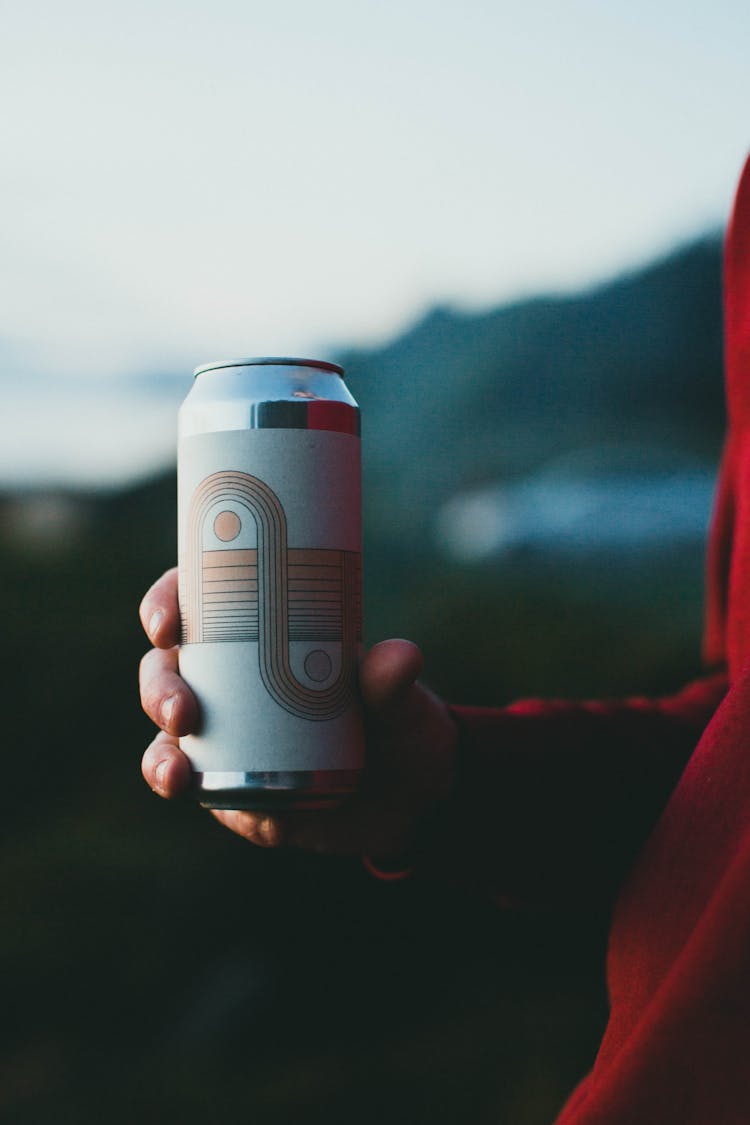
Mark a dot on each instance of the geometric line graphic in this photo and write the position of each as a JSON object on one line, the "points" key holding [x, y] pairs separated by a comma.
{"points": [[271, 594]]}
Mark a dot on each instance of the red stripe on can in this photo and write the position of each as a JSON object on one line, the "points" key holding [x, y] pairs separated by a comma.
{"points": [[336, 416]]}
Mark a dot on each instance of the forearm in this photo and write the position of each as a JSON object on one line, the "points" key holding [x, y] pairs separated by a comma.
{"points": [[553, 800]]}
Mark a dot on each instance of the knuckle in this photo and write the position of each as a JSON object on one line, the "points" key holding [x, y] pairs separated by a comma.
{"points": [[152, 697], [151, 703]]}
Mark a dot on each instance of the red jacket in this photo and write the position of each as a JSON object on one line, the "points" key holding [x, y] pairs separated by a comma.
{"points": [[650, 801]]}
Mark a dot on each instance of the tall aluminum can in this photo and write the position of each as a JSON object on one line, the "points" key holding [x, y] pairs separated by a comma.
{"points": [[269, 548]]}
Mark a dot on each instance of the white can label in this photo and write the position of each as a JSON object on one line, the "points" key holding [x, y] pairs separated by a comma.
{"points": [[270, 595]]}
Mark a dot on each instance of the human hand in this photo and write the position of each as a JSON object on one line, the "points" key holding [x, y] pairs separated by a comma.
{"points": [[411, 746]]}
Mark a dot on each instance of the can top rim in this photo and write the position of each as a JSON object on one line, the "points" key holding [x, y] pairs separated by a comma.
{"points": [[270, 361]]}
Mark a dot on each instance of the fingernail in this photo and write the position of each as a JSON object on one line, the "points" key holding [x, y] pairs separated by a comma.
{"points": [[161, 773], [167, 710], [154, 622]]}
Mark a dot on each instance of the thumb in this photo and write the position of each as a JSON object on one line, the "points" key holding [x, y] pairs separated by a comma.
{"points": [[386, 673]]}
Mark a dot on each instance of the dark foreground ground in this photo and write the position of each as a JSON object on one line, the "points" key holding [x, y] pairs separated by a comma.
{"points": [[157, 969]]}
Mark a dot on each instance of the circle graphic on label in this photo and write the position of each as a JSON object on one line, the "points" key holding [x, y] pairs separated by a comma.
{"points": [[318, 665], [227, 526]]}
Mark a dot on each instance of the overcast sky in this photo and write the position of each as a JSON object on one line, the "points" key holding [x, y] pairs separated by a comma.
{"points": [[184, 180]]}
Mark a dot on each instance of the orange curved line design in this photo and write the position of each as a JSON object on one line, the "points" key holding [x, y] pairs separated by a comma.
{"points": [[273, 596]]}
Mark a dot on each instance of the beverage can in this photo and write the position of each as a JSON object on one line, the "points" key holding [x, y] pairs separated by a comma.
{"points": [[269, 551]]}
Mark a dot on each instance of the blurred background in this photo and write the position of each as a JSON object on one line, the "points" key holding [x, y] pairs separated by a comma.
{"points": [[506, 222]]}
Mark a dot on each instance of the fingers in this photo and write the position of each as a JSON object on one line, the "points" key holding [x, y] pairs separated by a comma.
{"points": [[160, 612], [257, 827], [165, 767], [332, 831], [165, 697], [387, 677], [387, 671]]}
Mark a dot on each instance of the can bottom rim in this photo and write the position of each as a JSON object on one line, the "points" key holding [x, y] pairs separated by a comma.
{"points": [[308, 789]]}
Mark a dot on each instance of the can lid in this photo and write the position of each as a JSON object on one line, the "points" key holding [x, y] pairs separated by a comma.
{"points": [[270, 361]]}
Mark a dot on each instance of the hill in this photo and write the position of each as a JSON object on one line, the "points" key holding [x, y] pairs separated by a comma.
{"points": [[464, 398]]}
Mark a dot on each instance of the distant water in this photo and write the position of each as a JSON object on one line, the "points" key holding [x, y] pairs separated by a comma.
{"points": [[85, 434], [579, 515]]}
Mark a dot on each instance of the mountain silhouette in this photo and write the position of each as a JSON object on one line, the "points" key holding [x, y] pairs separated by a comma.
{"points": [[466, 398]]}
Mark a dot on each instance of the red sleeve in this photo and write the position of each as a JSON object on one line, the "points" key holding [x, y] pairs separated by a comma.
{"points": [[555, 799]]}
